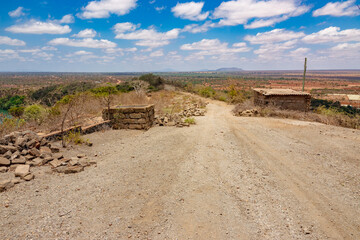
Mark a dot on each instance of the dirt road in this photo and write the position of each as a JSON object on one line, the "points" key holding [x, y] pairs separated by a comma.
{"points": [[225, 178]]}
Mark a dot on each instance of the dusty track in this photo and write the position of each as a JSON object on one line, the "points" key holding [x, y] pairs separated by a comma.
{"points": [[225, 178]]}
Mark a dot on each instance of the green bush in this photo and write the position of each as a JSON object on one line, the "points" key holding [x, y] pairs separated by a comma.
{"points": [[11, 101], [16, 111], [207, 92], [34, 112], [156, 82]]}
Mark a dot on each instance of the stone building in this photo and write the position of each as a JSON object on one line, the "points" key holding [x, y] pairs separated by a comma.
{"points": [[282, 98], [130, 117]]}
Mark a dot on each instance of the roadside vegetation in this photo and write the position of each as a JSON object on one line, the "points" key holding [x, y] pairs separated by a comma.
{"points": [[57, 107], [322, 111]]}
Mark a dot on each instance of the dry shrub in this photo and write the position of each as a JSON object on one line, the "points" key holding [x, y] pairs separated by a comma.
{"points": [[333, 118]]}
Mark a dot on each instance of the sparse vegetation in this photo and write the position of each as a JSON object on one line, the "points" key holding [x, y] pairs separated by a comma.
{"points": [[190, 121]]}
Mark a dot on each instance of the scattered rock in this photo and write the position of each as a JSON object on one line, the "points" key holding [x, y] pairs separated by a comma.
{"points": [[81, 155], [55, 163], [74, 169], [19, 160], [22, 171], [6, 184], [4, 161], [34, 152], [29, 177], [3, 169]]}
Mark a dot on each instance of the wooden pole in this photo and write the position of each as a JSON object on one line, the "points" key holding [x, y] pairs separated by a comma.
{"points": [[303, 86]]}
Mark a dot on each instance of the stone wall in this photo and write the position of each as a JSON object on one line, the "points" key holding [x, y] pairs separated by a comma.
{"points": [[291, 102], [131, 117]]}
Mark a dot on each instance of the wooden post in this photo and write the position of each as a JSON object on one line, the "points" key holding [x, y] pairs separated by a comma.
{"points": [[303, 86]]}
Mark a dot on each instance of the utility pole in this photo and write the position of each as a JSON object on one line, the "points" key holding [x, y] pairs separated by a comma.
{"points": [[304, 75]]}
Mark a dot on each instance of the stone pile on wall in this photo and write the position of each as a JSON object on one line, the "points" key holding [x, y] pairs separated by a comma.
{"points": [[131, 117], [178, 119]]}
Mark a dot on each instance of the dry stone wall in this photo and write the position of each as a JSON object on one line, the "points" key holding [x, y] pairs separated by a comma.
{"points": [[131, 117]]}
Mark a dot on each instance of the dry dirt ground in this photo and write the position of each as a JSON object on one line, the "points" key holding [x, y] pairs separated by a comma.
{"points": [[225, 178]]}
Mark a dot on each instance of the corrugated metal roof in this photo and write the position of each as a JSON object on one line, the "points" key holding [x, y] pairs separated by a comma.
{"points": [[268, 92]]}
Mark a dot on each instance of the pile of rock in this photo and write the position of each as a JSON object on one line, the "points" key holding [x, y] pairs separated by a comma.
{"points": [[178, 119], [249, 113], [20, 151]]}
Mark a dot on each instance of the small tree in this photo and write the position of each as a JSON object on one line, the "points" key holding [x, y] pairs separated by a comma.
{"points": [[139, 86], [106, 94], [67, 103]]}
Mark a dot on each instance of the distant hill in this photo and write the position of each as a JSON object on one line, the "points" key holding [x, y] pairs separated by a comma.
{"points": [[233, 69]]}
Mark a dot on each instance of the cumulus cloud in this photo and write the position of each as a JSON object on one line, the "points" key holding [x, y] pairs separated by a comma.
{"points": [[263, 13], [86, 33], [82, 53], [276, 35], [103, 8], [37, 27], [158, 53], [6, 54], [159, 9], [214, 47], [145, 37], [338, 9], [190, 10], [273, 51], [17, 12], [86, 42], [9, 41], [333, 34], [67, 19], [196, 28]]}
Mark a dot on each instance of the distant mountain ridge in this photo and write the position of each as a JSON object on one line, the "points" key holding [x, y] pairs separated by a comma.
{"points": [[233, 69]]}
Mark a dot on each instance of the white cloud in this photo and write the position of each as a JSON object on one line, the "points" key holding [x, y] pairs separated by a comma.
{"points": [[333, 34], [146, 37], [276, 35], [158, 53], [37, 27], [264, 13], [125, 27], [49, 48], [82, 53], [349, 51], [196, 28], [67, 19], [6, 54], [338, 9], [86, 42], [86, 33], [9, 41], [159, 9], [103, 8], [190, 10], [273, 51], [17, 12], [207, 47]]}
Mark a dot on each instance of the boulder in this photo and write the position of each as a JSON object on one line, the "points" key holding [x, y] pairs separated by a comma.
{"points": [[34, 152], [58, 156], [55, 163], [20, 141], [6, 184], [31, 143], [19, 160], [46, 160], [22, 171], [74, 169], [36, 162], [4, 161], [29, 157], [7, 154], [29, 177], [45, 150]]}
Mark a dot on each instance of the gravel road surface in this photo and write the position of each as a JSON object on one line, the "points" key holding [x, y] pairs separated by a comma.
{"points": [[225, 178]]}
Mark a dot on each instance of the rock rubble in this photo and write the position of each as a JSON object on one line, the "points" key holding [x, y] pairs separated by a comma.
{"points": [[21, 151]]}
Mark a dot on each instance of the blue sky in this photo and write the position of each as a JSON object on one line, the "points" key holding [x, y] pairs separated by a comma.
{"points": [[155, 35]]}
